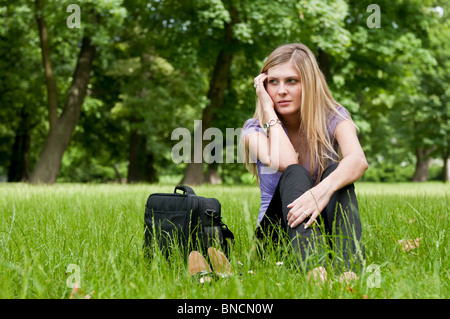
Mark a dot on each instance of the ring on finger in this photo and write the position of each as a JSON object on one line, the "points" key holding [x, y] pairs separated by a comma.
{"points": [[255, 85], [304, 212]]}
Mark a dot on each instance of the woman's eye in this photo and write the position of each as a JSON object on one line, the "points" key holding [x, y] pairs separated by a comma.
{"points": [[273, 81]]}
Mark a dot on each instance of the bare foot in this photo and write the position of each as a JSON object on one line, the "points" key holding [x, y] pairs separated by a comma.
{"points": [[220, 263], [197, 263], [198, 267]]}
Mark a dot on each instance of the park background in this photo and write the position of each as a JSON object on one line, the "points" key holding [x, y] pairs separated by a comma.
{"points": [[91, 93]]}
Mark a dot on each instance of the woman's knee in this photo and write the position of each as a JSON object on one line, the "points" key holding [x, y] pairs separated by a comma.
{"points": [[297, 171]]}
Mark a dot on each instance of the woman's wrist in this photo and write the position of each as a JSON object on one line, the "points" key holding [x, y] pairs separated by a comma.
{"points": [[328, 185], [269, 115]]}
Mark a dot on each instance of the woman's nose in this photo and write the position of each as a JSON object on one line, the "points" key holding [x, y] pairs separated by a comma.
{"points": [[282, 89]]}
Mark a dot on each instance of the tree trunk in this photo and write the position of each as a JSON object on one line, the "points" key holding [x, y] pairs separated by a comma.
{"points": [[141, 163], [19, 169], [151, 175], [133, 157], [447, 170], [61, 128], [212, 174], [194, 173], [422, 164]]}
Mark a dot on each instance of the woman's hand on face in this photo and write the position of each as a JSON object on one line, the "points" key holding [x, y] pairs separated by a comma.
{"points": [[309, 204], [264, 97]]}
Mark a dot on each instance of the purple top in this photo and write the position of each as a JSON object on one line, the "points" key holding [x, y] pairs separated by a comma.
{"points": [[268, 178]]}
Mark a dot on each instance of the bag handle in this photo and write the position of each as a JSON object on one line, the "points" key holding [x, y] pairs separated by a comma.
{"points": [[185, 189]]}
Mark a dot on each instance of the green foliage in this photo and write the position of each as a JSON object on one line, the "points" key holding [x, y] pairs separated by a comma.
{"points": [[20, 85], [155, 58]]}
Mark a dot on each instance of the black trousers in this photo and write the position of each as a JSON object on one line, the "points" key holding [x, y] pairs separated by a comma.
{"points": [[334, 238]]}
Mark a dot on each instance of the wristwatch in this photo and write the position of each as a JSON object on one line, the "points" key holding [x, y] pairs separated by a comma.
{"points": [[271, 122]]}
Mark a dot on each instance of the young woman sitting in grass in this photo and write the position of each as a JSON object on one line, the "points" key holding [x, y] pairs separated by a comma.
{"points": [[291, 146]]}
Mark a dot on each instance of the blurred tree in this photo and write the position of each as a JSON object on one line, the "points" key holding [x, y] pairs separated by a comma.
{"points": [[155, 100], [432, 134], [161, 88], [380, 81], [20, 90], [102, 18], [160, 65], [421, 102]]}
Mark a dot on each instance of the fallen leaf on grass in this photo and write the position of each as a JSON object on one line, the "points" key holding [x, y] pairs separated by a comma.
{"points": [[409, 244], [352, 290]]}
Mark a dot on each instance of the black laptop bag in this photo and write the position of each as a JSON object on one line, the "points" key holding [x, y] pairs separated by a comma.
{"points": [[185, 221]]}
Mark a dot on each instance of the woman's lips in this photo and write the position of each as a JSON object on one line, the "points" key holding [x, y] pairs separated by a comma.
{"points": [[283, 102]]}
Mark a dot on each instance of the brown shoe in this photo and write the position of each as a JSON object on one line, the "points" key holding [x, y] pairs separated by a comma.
{"points": [[220, 263]]}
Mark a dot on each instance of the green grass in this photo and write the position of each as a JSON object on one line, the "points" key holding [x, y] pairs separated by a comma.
{"points": [[99, 228]]}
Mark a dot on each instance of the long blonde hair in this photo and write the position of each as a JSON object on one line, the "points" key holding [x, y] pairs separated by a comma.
{"points": [[317, 105]]}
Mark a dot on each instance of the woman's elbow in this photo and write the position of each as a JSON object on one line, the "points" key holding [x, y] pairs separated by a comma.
{"points": [[357, 165], [279, 166], [363, 164], [285, 163]]}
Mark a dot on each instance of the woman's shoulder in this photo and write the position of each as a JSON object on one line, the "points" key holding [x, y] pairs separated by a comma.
{"points": [[340, 114], [342, 111], [252, 125]]}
